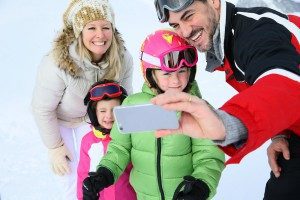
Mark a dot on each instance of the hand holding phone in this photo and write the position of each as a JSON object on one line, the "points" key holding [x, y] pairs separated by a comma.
{"points": [[144, 118]]}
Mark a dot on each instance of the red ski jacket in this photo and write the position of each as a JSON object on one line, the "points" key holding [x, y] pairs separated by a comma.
{"points": [[262, 62]]}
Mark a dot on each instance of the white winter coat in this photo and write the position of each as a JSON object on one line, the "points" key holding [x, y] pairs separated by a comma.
{"points": [[58, 95]]}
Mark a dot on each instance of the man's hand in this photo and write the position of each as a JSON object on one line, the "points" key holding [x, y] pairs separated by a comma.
{"points": [[278, 146], [197, 119]]}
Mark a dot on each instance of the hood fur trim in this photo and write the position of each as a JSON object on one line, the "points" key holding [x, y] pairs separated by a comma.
{"points": [[62, 55]]}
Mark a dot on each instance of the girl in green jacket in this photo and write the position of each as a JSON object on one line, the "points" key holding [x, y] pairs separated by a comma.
{"points": [[172, 167]]}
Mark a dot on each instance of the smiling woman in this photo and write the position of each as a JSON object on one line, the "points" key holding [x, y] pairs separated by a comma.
{"points": [[88, 49], [97, 37]]}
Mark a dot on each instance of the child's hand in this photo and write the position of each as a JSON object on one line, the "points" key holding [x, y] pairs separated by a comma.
{"points": [[89, 187], [96, 182], [191, 189]]}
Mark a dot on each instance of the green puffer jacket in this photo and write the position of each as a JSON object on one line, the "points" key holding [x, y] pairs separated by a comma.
{"points": [[159, 164]]}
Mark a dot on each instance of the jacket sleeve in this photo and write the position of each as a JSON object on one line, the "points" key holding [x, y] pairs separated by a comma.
{"points": [[118, 152], [268, 107], [126, 80], [48, 91], [208, 163], [84, 164]]}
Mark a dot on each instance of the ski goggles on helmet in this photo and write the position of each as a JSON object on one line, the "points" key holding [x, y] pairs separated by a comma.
{"points": [[111, 90], [171, 5], [172, 60]]}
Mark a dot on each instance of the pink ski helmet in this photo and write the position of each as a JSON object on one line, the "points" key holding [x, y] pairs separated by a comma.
{"points": [[167, 51]]}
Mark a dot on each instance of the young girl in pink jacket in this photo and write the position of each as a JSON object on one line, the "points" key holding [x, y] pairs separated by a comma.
{"points": [[101, 99]]}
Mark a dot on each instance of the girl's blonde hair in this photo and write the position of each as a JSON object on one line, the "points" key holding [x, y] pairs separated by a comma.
{"points": [[111, 56]]}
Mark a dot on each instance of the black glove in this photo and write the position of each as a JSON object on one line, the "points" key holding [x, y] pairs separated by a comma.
{"points": [[193, 189], [96, 182]]}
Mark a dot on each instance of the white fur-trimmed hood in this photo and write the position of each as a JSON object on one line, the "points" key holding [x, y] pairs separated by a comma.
{"points": [[61, 51]]}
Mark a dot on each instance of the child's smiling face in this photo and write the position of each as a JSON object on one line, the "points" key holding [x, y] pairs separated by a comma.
{"points": [[177, 80], [104, 111]]}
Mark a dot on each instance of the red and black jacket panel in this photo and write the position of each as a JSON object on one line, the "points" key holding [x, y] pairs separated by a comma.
{"points": [[262, 40]]}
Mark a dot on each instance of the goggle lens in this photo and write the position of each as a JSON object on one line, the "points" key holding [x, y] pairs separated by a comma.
{"points": [[110, 89], [175, 59], [172, 5]]}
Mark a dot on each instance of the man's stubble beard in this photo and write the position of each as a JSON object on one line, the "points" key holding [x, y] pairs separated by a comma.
{"points": [[212, 19]]}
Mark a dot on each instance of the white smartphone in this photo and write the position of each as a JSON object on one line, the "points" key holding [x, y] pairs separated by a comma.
{"points": [[144, 118]]}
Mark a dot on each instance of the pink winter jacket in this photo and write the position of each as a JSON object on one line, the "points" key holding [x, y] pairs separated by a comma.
{"points": [[93, 147]]}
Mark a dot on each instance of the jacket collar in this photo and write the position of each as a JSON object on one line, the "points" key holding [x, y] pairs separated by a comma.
{"points": [[99, 134], [215, 56]]}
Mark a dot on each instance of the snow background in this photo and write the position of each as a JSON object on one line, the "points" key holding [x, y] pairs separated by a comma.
{"points": [[27, 32]]}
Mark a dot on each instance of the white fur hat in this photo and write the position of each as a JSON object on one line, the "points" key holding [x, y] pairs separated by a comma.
{"points": [[81, 12]]}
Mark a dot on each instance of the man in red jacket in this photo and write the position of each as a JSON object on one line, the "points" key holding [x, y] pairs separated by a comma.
{"points": [[258, 49]]}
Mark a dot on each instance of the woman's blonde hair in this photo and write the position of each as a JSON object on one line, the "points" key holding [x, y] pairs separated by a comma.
{"points": [[112, 56]]}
